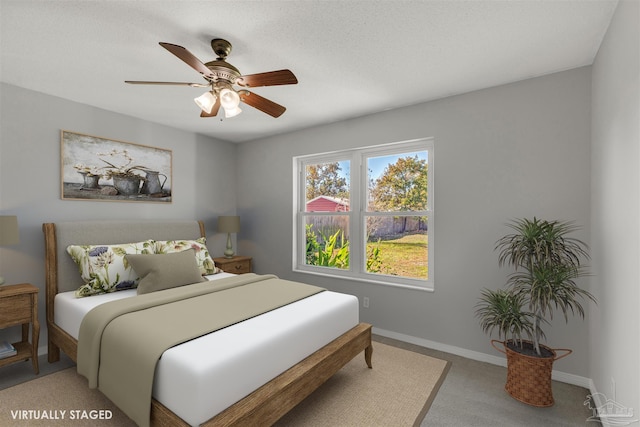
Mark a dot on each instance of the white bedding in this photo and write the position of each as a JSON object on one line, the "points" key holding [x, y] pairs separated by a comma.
{"points": [[198, 379]]}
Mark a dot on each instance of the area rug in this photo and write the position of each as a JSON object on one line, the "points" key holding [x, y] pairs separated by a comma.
{"points": [[396, 392]]}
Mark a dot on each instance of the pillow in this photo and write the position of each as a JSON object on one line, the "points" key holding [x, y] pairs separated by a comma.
{"points": [[164, 271], [104, 267], [205, 263]]}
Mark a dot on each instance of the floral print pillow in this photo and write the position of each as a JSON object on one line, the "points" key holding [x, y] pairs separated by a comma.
{"points": [[104, 268], [205, 262]]}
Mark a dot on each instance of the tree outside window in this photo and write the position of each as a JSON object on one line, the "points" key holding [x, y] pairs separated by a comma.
{"points": [[397, 237]]}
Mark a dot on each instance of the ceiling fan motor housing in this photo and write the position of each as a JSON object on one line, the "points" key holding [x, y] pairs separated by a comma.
{"points": [[221, 47], [222, 70]]}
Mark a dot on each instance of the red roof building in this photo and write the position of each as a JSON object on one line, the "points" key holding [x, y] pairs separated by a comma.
{"points": [[327, 204]]}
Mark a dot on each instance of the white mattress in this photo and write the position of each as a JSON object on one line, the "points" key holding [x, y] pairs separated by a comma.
{"points": [[200, 378], [69, 310]]}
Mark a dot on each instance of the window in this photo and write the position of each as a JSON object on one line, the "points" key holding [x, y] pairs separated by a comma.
{"points": [[367, 214]]}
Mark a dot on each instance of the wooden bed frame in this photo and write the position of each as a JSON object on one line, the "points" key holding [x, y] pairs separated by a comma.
{"points": [[265, 405]]}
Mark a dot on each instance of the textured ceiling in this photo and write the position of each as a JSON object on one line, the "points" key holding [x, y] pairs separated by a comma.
{"points": [[351, 58]]}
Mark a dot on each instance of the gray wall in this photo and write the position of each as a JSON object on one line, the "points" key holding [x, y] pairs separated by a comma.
{"points": [[615, 324], [30, 177], [517, 150]]}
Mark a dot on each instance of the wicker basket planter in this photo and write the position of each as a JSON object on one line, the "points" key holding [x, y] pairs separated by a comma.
{"points": [[529, 377]]}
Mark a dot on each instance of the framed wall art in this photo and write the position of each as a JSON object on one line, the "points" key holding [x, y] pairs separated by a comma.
{"points": [[94, 168]]}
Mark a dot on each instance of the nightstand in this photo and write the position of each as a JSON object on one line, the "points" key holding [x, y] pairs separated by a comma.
{"points": [[19, 306], [236, 264]]}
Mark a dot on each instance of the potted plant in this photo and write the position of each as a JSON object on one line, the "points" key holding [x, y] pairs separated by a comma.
{"points": [[125, 180], [90, 176], [546, 264]]}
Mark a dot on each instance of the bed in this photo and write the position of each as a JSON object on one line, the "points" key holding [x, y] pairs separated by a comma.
{"points": [[271, 396]]}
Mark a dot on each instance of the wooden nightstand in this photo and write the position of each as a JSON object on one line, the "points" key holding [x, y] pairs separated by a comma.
{"points": [[19, 306], [236, 264]]}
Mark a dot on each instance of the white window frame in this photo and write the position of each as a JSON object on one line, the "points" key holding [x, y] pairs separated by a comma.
{"points": [[357, 213]]}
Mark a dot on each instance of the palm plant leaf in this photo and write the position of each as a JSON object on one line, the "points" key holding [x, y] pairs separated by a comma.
{"points": [[549, 287], [502, 310], [536, 241]]}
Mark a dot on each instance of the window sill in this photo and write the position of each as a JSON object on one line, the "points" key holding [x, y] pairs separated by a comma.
{"points": [[426, 288]]}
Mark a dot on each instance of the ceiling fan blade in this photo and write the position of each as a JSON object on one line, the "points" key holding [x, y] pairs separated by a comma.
{"points": [[138, 82], [214, 110], [262, 104], [187, 57], [271, 78]]}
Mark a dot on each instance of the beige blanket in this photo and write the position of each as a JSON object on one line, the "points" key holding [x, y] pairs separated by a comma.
{"points": [[120, 342]]}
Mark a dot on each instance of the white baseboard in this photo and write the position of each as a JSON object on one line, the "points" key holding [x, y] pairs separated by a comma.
{"points": [[481, 357]]}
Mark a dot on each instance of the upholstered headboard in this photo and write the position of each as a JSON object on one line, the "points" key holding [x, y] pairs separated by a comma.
{"points": [[62, 273]]}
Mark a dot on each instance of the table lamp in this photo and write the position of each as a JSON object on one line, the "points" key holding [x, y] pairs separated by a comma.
{"points": [[229, 224], [8, 234]]}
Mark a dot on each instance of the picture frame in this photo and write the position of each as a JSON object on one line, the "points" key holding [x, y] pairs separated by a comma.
{"points": [[102, 169]]}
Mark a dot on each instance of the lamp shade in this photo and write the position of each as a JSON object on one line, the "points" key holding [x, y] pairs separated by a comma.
{"points": [[9, 230], [206, 101], [229, 224], [229, 99], [228, 113]]}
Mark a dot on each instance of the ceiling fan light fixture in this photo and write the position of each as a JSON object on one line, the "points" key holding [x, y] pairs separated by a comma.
{"points": [[232, 112], [229, 99], [206, 101]]}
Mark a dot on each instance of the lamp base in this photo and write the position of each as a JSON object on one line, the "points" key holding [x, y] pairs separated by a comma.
{"points": [[228, 253]]}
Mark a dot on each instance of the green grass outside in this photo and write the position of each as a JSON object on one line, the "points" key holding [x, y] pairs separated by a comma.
{"points": [[405, 256]]}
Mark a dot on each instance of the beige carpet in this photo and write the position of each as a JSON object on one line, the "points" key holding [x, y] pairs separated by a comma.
{"points": [[396, 392]]}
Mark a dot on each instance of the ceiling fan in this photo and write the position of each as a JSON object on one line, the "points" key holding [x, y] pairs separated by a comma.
{"points": [[221, 77]]}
